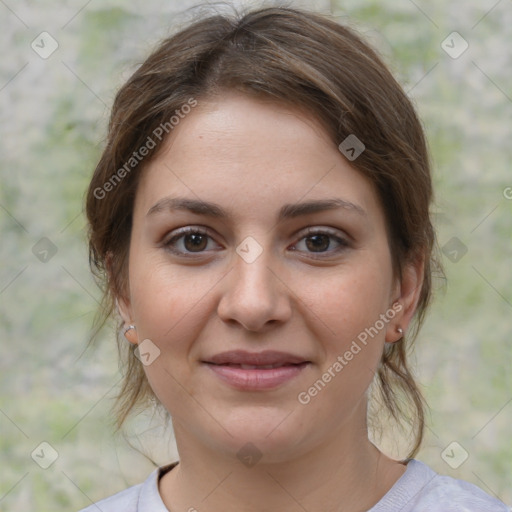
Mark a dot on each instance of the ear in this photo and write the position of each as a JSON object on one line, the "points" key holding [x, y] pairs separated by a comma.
{"points": [[123, 305], [407, 294], [124, 309]]}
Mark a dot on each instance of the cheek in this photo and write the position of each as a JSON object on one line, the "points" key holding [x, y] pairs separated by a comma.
{"points": [[170, 309], [169, 304], [348, 306], [156, 294], [350, 298]]}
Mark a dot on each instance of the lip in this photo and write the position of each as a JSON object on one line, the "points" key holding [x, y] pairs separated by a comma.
{"points": [[253, 371], [267, 357]]}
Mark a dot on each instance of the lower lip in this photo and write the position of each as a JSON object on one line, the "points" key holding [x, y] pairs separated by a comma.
{"points": [[257, 379]]}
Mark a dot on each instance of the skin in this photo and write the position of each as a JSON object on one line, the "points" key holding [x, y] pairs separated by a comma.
{"points": [[251, 157]]}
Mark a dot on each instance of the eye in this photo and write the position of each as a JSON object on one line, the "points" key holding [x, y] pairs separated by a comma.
{"points": [[189, 240], [321, 241]]}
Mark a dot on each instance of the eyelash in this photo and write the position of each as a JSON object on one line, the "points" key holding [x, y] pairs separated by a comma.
{"points": [[190, 230]]}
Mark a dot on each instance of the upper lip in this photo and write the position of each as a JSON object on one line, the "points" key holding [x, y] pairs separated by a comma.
{"points": [[267, 357]]}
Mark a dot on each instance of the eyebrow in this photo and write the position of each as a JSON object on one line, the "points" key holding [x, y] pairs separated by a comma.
{"points": [[288, 211]]}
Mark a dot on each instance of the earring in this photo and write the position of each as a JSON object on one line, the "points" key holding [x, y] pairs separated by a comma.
{"points": [[126, 333], [399, 330], [128, 328]]}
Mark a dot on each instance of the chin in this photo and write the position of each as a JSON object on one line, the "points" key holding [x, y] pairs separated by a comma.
{"points": [[269, 433]]}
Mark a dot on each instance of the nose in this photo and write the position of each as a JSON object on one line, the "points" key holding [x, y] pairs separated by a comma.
{"points": [[255, 295]]}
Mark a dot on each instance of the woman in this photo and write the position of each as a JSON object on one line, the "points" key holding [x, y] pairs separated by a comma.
{"points": [[261, 216]]}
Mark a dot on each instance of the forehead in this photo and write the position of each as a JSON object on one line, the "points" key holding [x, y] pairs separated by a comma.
{"points": [[254, 156]]}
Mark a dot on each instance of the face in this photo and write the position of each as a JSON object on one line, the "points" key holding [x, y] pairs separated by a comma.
{"points": [[259, 265]]}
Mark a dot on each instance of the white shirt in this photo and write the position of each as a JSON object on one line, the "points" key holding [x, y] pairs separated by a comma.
{"points": [[419, 489]]}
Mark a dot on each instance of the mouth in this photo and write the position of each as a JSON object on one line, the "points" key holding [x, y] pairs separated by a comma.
{"points": [[257, 367], [267, 358], [256, 371]]}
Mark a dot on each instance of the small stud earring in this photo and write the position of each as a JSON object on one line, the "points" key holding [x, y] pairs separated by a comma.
{"points": [[128, 328], [126, 332], [399, 330]]}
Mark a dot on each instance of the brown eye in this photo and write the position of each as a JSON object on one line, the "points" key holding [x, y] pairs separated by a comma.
{"points": [[189, 241], [318, 243], [195, 242], [321, 242]]}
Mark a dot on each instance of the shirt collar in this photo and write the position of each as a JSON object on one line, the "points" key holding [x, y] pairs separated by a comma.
{"points": [[149, 498]]}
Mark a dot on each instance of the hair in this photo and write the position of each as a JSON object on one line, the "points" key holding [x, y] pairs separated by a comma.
{"points": [[308, 61]]}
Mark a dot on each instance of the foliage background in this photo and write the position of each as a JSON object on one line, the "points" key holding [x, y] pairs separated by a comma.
{"points": [[53, 114]]}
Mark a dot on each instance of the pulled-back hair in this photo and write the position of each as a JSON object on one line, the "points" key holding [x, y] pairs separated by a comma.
{"points": [[306, 60]]}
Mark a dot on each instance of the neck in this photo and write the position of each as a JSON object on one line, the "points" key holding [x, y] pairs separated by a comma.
{"points": [[345, 474]]}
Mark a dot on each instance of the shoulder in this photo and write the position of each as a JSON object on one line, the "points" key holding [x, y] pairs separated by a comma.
{"points": [[420, 489], [142, 497], [126, 501], [448, 494]]}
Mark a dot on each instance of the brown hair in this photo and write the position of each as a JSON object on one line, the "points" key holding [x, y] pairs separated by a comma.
{"points": [[287, 55]]}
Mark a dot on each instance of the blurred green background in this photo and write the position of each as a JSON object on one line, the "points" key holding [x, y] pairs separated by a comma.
{"points": [[53, 113]]}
